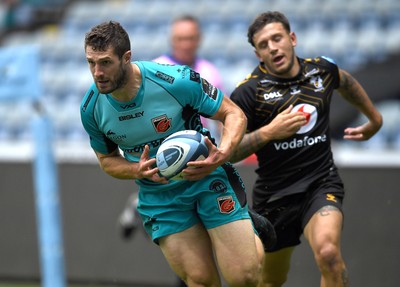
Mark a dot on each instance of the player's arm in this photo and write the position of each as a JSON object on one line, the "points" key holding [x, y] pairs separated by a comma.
{"points": [[351, 90], [284, 125], [117, 166]]}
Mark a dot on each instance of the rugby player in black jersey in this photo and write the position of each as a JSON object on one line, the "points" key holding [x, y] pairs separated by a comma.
{"points": [[286, 100]]}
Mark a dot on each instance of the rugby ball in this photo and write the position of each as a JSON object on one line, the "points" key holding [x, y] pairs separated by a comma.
{"points": [[177, 150]]}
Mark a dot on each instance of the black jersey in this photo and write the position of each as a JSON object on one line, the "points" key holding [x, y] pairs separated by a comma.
{"points": [[291, 165]]}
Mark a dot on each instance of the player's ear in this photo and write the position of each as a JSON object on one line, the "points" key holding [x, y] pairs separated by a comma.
{"points": [[293, 38], [127, 57]]}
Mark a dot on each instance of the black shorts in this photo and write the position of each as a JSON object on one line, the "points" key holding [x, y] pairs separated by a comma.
{"points": [[291, 213]]}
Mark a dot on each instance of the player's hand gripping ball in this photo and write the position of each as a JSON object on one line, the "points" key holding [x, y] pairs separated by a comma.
{"points": [[177, 150]]}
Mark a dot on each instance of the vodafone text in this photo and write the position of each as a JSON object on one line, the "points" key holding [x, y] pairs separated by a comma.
{"points": [[299, 143]]}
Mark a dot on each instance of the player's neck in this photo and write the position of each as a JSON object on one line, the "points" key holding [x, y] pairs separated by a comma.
{"points": [[129, 91]]}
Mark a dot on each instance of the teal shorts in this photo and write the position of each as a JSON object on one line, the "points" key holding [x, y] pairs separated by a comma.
{"points": [[218, 199]]}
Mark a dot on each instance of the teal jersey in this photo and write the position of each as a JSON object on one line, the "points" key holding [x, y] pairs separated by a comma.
{"points": [[171, 98]]}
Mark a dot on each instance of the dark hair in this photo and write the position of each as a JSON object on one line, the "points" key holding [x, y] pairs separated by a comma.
{"points": [[264, 19], [106, 35]]}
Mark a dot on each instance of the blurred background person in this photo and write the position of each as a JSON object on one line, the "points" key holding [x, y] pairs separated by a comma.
{"points": [[185, 39]]}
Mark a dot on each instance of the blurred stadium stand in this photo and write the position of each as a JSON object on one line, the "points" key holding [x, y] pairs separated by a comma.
{"points": [[356, 33]]}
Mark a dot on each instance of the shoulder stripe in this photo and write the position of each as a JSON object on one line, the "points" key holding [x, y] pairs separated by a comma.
{"points": [[88, 100]]}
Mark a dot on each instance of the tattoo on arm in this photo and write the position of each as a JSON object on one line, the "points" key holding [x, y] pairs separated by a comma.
{"points": [[326, 210], [250, 143], [350, 89]]}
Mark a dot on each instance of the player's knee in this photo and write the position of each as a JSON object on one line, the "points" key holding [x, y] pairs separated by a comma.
{"points": [[328, 258]]}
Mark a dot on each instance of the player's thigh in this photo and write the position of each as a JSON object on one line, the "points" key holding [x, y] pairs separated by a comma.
{"points": [[276, 265], [189, 253], [235, 246], [324, 227]]}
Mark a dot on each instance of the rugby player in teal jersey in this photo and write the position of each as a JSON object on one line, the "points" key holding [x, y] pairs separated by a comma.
{"points": [[201, 224]]}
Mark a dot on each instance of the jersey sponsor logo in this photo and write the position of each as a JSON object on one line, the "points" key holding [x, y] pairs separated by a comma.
{"points": [[226, 204], [299, 143], [131, 116], [331, 197], [138, 149], [209, 89], [194, 76], [218, 186], [161, 123], [317, 83], [114, 137], [110, 132], [272, 96], [311, 114], [312, 72], [165, 77], [129, 106], [294, 90]]}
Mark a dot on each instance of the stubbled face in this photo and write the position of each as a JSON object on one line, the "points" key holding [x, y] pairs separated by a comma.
{"points": [[275, 47], [108, 71], [185, 40]]}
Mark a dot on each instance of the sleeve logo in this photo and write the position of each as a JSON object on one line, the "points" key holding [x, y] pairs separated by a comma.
{"points": [[226, 204], [209, 89]]}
